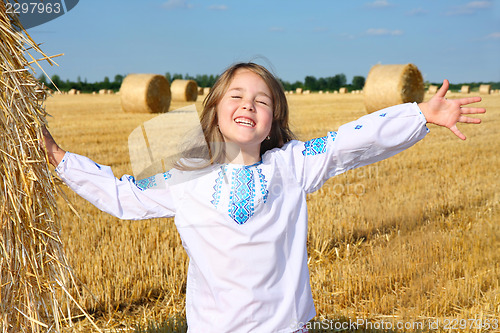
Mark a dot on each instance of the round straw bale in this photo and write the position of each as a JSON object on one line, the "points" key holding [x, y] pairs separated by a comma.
{"points": [[343, 90], [184, 90], [146, 93], [465, 89], [206, 90], [485, 89], [432, 89], [72, 92], [200, 91], [299, 90], [388, 85]]}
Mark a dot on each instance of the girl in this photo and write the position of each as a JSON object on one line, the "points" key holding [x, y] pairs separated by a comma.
{"points": [[242, 213]]}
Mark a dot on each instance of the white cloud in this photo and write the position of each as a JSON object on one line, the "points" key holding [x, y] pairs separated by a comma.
{"points": [[378, 4], [218, 7], [320, 29], [176, 4], [493, 35], [469, 8], [383, 32], [344, 35], [276, 29], [417, 12]]}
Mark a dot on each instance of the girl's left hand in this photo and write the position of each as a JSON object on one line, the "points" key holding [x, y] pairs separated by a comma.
{"points": [[448, 112]]}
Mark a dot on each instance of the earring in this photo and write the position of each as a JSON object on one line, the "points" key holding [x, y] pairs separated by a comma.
{"points": [[268, 137]]}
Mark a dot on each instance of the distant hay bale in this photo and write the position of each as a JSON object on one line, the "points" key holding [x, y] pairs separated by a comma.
{"points": [[206, 90], [145, 93], [432, 89], [343, 90], [485, 89], [307, 92], [184, 90], [299, 90], [72, 92], [103, 92], [110, 92], [200, 91], [388, 85], [465, 89]]}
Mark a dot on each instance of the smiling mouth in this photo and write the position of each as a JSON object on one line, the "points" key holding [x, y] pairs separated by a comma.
{"points": [[245, 122]]}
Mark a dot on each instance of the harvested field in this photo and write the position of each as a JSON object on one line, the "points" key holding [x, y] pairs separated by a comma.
{"points": [[414, 237]]}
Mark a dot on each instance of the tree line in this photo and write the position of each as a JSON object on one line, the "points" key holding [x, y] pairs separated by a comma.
{"points": [[311, 83]]}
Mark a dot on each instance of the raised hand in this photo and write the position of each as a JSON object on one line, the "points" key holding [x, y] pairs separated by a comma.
{"points": [[448, 112], [54, 152]]}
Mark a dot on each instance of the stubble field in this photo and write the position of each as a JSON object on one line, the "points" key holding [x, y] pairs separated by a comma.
{"points": [[415, 238]]}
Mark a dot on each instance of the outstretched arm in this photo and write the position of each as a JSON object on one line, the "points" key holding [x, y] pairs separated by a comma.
{"points": [[448, 112], [54, 152]]}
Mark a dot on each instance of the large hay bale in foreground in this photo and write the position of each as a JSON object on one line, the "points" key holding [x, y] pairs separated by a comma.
{"points": [[35, 279], [485, 89], [145, 93], [184, 90], [388, 85]]}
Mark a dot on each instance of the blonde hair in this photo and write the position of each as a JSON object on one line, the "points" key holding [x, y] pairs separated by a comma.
{"points": [[280, 130]]}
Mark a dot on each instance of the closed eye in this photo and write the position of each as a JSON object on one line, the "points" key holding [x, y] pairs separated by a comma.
{"points": [[262, 102], [235, 96]]}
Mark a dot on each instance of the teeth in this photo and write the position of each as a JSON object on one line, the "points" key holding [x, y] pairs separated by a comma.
{"points": [[246, 122]]}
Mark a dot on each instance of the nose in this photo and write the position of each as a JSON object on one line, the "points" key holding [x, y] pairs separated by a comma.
{"points": [[247, 105]]}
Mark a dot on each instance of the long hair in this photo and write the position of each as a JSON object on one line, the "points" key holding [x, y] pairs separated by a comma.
{"points": [[280, 130]]}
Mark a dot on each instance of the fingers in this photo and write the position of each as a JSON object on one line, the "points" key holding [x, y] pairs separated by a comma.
{"points": [[468, 100], [444, 88], [472, 110], [469, 120], [457, 132]]}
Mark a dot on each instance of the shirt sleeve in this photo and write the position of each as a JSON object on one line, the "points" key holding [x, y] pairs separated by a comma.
{"points": [[369, 139], [124, 198]]}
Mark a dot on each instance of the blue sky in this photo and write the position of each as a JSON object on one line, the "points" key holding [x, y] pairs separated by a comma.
{"points": [[454, 39]]}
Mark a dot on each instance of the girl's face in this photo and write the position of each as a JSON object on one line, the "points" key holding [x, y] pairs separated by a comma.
{"points": [[245, 112]]}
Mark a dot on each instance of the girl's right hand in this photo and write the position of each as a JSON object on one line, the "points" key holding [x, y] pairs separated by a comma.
{"points": [[54, 152]]}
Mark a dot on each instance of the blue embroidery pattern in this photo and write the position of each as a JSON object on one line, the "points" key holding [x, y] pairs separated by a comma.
{"points": [[315, 146], [241, 205], [146, 183], [383, 115], [263, 185], [358, 126], [167, 175], [217, 187], [318, 145]]}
